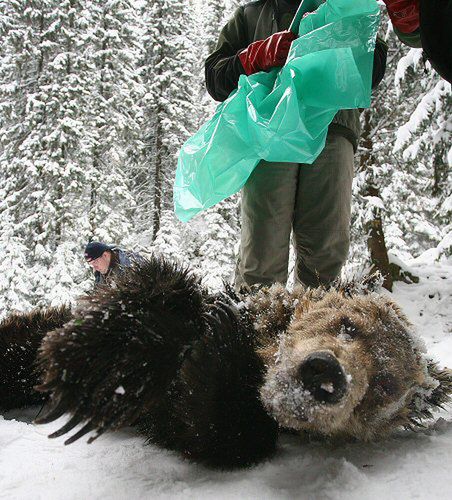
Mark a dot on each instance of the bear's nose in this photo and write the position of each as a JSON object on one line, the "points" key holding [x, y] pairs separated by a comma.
{"points": [[322, 375]]}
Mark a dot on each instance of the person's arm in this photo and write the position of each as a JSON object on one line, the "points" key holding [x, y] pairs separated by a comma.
{"points": [[405, 18], [379, 67], [223, 67], [232, 56], [411, 39], [404, 14]]}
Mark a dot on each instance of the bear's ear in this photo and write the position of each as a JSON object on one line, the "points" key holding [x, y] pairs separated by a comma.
{"points": [[430, 400], [387, 305], [359, 284]]}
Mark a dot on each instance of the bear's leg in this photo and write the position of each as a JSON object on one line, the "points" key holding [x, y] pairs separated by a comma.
{"points": [[213, 414], [122, 351], [20, 337], [155, 351]]}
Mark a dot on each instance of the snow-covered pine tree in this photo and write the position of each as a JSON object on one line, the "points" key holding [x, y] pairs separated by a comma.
{"points": [[424, 143], [214, 14], [217, 253], [207, 244], [403, 155], [15, 285], [211, 239], [43, 149], [114, 115], [169, 241], [375, 196], [169, 72], [69, 102]]}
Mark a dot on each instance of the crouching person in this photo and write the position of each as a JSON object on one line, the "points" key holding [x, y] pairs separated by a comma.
{"points": [[108, 261]]}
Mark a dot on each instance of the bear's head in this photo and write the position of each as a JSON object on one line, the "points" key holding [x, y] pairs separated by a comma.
{"points": [[350, 366]]}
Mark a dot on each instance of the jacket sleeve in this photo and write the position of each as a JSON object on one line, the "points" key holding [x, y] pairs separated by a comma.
{"points": [[223, 67], [379, 68], [412, 39]]}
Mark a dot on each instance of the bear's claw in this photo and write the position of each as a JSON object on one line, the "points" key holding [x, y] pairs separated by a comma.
{"points": [[55, 411], [84, 430], [73, 422]]}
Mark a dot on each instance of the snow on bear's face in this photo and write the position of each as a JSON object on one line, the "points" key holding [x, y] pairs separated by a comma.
{"points": [[346, 367]]}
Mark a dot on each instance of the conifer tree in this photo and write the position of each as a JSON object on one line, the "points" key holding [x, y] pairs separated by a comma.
{"points": [[168, 70], [217, 252], [169, 241], [43, 149], [114, 115], [214, 14], [70, 93], [402, 182], [216, 249], [15, 285], [424, 143]]}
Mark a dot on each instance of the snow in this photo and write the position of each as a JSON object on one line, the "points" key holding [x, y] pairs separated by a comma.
{"points": [[374, 202], [413, 58], [327, 387], [120, 465], [429, 102]]}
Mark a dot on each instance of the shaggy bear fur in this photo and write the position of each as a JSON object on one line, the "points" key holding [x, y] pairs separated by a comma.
{"points": [[214, 376], [158, 352], [20, 337]]}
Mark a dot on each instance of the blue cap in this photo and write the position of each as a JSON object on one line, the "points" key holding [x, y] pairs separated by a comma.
{"points": [[94, 250]]}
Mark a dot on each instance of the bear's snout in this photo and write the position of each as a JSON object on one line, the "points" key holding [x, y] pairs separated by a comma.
{"points": [[321, 374]]}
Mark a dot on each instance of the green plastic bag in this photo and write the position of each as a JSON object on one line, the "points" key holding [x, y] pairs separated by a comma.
{"points": [[282, 115]]}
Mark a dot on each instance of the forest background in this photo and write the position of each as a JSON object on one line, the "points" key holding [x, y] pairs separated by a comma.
{"points": [[97, 97]]}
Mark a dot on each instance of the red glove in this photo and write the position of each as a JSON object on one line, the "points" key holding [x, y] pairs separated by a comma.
{"points": [[404, 14], [265, 54]]}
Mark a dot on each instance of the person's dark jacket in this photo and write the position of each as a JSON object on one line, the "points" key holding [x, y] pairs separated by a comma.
{"points": [[120, 261], [256, 21]]}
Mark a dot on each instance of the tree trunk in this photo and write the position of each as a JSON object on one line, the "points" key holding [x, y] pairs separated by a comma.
{"points": [[374, 227], [376, 243], [158, 182], [439, 173]]}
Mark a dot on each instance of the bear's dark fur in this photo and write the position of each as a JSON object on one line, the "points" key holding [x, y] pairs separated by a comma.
{"points": [[20, 337], [158, 352], [213, 376]]}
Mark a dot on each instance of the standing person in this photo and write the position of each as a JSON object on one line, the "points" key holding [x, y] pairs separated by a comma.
{"points": [[312, 200], [108, 261]]}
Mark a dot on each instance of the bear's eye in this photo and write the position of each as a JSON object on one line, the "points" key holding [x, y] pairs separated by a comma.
{"points": [[347, 329]]}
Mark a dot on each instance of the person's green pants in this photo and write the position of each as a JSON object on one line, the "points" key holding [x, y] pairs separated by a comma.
{"points": [[312, 200]]}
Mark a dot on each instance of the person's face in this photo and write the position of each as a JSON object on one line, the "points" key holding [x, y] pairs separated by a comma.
{"points": [[102, 263]]}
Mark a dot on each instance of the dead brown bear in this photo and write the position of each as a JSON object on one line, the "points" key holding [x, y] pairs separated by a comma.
{"points": [[216, 376], [345, 365]]}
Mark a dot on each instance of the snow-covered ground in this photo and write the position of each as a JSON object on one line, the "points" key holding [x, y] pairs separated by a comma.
{"points": [[120, 466]]}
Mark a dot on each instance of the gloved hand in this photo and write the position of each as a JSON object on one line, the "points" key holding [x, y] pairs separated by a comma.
{"points": [[265, 54], [404, 14]]}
